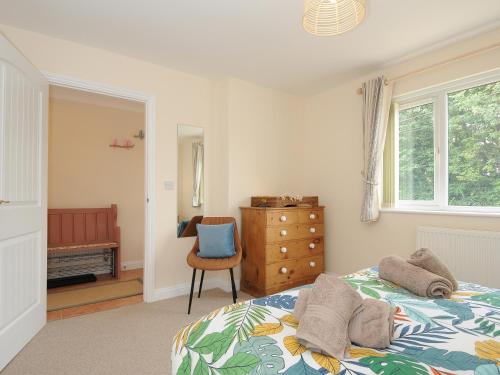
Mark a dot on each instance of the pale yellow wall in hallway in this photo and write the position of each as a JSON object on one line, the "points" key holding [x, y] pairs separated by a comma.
{"points": [[85, 172], [333, 129]]}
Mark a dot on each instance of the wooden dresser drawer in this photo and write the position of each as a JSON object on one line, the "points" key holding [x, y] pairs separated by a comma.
{"points": [[281, 233], [310, 230], [293, 232], [278, 217], [291, 270], [299, 249], [311, 216]]}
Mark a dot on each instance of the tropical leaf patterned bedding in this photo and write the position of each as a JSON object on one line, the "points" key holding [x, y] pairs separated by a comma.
{"points": [[456, 336]]}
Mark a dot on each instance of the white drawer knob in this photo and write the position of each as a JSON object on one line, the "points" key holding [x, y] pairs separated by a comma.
{"points": [[312, 264], [312, 245], [283, 270], [283, 218], [283, 233], [312, 230], [283, 250], [312, 216]]}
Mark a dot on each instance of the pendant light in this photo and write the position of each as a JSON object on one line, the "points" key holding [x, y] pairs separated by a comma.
{"points": [[332, 17]]}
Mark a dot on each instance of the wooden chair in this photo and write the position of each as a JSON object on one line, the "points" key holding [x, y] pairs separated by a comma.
{"points": [[218, 264]]}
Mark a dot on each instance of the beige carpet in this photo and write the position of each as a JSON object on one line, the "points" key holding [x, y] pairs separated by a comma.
{"points": [[133, 340], [93, 294]]}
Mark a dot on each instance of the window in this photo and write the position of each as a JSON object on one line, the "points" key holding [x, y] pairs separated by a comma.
{"points": [[446, 148], [416, 153], [474, 146]]}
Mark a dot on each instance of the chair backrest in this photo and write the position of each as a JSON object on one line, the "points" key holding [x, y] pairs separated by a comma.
{"points": [[190, 229], [221, 220], [218, 220]]}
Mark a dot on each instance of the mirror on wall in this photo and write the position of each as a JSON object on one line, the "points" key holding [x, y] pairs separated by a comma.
{"points": [[190, 185]]}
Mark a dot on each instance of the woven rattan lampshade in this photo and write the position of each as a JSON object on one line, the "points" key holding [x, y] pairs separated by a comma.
{"points": [[332, 17]]}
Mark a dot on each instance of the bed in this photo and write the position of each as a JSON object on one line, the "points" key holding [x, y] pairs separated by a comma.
{"points": [[456, 336]]}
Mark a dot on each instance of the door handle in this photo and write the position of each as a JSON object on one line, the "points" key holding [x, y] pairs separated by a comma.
{"points": [[4, 202]]}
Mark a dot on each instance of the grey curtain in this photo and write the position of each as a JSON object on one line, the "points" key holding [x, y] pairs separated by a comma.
{"points": [[197, 174], [376, 105]]}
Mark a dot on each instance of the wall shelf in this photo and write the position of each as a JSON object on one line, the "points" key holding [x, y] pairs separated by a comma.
{"points": [[127, 143], [122, 146]]}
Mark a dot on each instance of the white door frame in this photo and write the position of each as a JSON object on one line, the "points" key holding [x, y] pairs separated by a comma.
{"points": [[150, 164]]}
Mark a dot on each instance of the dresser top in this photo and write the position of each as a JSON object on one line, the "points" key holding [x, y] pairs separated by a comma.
{"points": [[282, 208]]}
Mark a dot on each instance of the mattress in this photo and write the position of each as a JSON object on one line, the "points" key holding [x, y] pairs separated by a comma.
{"points": [[432, 336]]}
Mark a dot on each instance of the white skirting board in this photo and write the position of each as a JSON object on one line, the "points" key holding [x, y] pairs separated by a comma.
{"points": [[472, 256], [184, 288]]}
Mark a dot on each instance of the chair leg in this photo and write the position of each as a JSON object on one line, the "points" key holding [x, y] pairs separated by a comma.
{"points": [[191, 294], [201, 283], [233, 286]]}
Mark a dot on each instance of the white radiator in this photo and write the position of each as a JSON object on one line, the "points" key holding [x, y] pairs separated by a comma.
{"points": [[472, 256]]}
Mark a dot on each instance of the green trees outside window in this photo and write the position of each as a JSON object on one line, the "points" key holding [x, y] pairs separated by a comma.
{"points": [[473, 147], [416, 153]]}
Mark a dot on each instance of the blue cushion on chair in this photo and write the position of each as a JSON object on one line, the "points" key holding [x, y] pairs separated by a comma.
{"points": [[216, 241]]}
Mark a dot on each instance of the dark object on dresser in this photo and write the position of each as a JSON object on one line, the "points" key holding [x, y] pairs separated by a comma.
{"points": [[282, 248]]}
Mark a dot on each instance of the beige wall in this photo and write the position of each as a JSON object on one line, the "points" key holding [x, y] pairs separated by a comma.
{"points": [[262, 141], [180, 98], [249, 132], [263, 129], [85, 172], [185, 179], [332, 163]]}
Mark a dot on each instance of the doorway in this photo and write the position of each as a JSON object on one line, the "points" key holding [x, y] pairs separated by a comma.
{"points": [[100, 158]]}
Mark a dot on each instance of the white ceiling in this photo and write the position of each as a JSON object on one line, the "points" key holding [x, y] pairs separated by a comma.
{"points": [[255, 40]]}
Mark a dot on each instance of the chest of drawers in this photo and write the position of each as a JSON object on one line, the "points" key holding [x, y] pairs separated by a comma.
{"points": [[282, 248]]}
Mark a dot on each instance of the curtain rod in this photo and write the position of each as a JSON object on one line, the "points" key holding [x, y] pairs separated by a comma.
{"points": [[464, 56]]}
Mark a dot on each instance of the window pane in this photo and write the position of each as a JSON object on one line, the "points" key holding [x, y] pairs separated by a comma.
{"points": [[416, 153], [474, 146]]}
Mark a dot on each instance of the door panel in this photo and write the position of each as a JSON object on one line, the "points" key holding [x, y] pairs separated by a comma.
{"points": [[23, 206], [19, 265], [21, 163]]}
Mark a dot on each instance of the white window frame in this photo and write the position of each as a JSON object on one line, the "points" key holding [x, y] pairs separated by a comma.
{"points": [[438, 95]]}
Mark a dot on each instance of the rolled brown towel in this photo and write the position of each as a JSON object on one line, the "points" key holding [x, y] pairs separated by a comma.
{"points": [[324, 324], [426, 259], [373, 325], [417, 280]]}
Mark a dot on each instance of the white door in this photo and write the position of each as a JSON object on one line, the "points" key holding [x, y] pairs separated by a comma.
{"points": [[23, 195]]}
